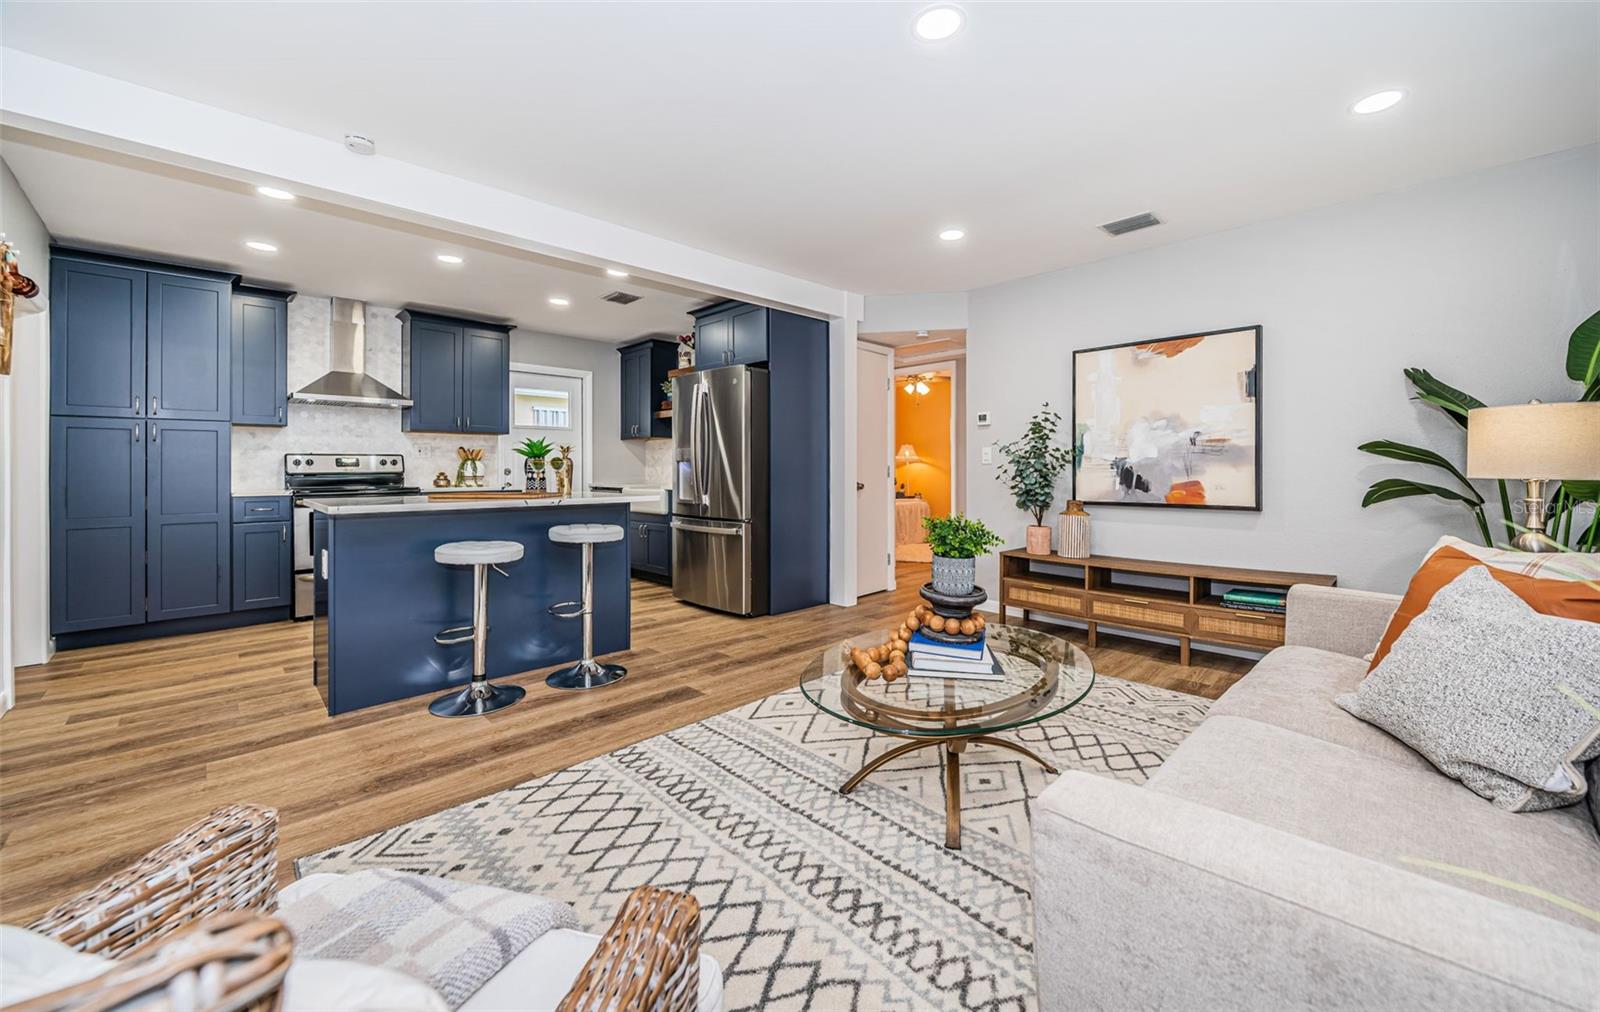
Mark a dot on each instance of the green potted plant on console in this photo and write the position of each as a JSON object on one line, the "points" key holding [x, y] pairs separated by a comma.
{"points": [[534, 452], [1033, 465], [957, 541]]}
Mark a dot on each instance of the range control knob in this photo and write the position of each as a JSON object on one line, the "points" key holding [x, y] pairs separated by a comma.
{"points": [[297, 462], [310, 461], [382, 462]]}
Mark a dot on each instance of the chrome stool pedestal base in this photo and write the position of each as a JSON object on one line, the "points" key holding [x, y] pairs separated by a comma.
{"points": [[477, 698], [585, 674]]}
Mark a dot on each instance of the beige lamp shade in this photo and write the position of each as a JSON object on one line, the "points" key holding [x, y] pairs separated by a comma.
{"points": [[906, 455], [1539, 441]]}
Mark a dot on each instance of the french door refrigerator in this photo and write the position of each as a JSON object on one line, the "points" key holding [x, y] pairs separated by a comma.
{"points": [[719, 513]]}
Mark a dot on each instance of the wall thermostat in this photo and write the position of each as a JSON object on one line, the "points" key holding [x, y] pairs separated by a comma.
{"points": [[983, 418]]}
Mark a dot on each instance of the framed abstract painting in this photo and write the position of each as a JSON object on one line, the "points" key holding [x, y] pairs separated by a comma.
{"points": [[1174, 422]]}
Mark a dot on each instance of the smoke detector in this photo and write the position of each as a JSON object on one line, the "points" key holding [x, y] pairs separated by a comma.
{"points": [[1122, 226], [360, 144]]}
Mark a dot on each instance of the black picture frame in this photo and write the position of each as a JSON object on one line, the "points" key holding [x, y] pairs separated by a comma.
{"points": [[1260, 389]]}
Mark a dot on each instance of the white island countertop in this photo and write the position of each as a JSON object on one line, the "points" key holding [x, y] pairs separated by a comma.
{"points": [[377, 505]]}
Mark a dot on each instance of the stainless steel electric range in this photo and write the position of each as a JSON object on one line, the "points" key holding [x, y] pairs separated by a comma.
{"points": [[333, 476]]}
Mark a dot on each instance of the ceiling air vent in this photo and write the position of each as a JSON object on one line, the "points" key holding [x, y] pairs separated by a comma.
{"points": [[620, 298], [1122, 226]]}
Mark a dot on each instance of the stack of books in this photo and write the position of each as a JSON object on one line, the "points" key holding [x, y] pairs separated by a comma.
{"points": [[930, 658], [1272, 601]]}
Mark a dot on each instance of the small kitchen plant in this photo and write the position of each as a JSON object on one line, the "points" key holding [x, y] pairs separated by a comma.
{"points": [[957, 541], [534, 452], [1033, 465]]}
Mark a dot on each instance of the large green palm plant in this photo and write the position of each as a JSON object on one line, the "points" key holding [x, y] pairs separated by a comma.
{"points": [[1583, 366]]}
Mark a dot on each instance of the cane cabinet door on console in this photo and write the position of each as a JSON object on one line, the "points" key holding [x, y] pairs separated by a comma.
{"points": [[97, 339], [97, 523], [190, 519]]}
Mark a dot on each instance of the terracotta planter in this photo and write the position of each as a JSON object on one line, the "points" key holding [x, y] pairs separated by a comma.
{"points": [[1038, 540]]}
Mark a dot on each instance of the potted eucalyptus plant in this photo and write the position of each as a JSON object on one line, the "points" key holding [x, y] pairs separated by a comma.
{"points": [[534, 453], [957, 541], [1033, 465]]}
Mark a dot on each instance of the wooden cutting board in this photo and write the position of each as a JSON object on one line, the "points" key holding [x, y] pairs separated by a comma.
{"points": [[487, 494]]}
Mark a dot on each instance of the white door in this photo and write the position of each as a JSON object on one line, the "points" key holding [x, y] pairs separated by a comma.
{"points": [[546, 406], [874, 480]]}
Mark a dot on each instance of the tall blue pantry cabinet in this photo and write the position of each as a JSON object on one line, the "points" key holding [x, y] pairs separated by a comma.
{"points": [[141, 390]]}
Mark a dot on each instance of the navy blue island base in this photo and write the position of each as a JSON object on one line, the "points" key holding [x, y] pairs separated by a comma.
{"points": [[381, 599]]}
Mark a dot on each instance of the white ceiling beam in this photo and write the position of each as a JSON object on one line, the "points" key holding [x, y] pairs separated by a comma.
{"points": [[73, 104]]}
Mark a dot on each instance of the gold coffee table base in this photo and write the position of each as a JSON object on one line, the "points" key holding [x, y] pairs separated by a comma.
{"points": [[953, 747]]}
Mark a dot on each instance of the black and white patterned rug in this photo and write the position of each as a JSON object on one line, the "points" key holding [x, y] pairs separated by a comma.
{"points": [[810, 899]]}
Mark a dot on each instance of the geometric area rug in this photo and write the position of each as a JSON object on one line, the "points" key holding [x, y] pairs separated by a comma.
{"points": [[809, 899]]}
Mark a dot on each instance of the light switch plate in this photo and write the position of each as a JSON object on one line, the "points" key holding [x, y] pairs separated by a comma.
{"points": [[987, 455], [983, 419]]}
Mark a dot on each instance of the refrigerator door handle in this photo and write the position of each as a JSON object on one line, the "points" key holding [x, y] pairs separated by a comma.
{"points": [[702, 450], [727, 532]]}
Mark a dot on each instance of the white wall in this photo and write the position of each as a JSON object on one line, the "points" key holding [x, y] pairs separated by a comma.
{"points": [[25, 421], [929, 311], [1479, 278], [258, 450]]}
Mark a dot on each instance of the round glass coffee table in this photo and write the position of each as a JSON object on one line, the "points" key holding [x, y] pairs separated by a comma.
{"points": [[1041, 676]]}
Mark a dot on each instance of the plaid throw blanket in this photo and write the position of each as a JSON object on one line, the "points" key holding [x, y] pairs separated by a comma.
{"points": [[454, 935]]}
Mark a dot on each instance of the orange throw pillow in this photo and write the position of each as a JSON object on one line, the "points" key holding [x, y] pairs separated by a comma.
{"points": [[1562, 598]]}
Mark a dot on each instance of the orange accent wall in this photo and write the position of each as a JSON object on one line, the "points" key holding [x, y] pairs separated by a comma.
{"points": [[924, 422]]}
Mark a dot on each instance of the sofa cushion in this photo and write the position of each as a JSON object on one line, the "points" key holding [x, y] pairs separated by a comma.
{"points": [[1410, 817], [1293, 688]]}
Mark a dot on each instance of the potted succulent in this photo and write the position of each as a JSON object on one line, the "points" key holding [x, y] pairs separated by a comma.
{"points": [[1033, 465], [534, 452], [957, 541]]}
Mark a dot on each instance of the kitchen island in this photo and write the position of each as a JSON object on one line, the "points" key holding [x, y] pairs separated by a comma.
{"points": [[381, 598]]}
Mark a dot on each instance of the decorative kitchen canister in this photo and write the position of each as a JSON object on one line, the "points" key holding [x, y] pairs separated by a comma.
{"points": [[1072, 531], [469, 470]]}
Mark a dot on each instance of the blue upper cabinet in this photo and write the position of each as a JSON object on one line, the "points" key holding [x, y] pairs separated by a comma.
{"points": [[645, 365], [97, 339], [97, 523], [189, 519], [730, 333], [485, 379], [260, 357], [457, 374], [190, 347]]}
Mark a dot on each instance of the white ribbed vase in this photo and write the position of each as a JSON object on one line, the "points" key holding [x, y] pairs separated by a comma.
{"points": [[1072, 532]]}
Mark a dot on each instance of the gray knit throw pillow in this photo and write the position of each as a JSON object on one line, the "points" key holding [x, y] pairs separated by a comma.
{"points": [[1496, 695]]}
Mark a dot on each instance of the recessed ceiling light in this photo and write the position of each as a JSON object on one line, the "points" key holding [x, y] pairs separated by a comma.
{"points": [[261, 247], [616, 273], [274, 193], [952, 234], [556, 300], [1377, 102], [938, 23], [448, 258]]}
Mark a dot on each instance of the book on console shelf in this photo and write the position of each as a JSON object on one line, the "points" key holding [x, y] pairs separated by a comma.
{"points": [[1256, 596], [1266, 609]]}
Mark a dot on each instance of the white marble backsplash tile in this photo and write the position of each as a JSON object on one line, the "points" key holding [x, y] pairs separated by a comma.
{"points": [[323, 428], [658, 463]]}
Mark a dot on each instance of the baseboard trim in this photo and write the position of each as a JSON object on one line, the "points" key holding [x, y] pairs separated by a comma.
{"points": [[176, 627]]}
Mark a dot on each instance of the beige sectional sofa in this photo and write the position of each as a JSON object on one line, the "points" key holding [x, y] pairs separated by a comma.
{"points": [[1288, 855]]}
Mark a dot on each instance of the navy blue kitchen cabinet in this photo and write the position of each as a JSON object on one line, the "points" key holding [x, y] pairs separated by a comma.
{"points": [[731, 333], [650, 545], [188, 369], [485, 379], [97, 523], [97, 339], [457, 374], [260, 357], [645, 366], [189, 519], [263, 565]]}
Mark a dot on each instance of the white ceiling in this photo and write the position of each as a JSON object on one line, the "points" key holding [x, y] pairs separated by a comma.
{"points": [[824, 141], [108, 201]]}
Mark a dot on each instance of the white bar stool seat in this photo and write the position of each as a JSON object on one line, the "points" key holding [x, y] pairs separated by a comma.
{"points": [[479, 696], [587, 673]]}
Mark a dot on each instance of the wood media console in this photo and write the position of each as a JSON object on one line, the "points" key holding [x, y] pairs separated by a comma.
{"points": [[1175, 599]]}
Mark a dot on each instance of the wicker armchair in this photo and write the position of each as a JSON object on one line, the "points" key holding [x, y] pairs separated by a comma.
{"points": [[649, 958], [226, 861]]}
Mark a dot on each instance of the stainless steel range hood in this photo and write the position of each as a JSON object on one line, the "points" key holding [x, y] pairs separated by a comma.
{"points": [[346, 382]]}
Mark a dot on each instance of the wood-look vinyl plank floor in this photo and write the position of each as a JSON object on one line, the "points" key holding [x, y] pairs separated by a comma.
{"points": [[110, 750]]}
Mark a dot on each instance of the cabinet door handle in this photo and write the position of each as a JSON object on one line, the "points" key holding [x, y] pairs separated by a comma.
{"points": [[152, 407], [137, 400], [283, 535], [469, 421], [135, 432], [154, 438], [262, 509], [280, 414]]}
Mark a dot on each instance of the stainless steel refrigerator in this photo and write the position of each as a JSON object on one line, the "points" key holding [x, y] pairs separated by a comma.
{"points": [[719, 511]]}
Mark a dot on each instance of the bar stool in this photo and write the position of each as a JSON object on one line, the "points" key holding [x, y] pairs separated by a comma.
{"points": [[586, 673], [479, 696]]}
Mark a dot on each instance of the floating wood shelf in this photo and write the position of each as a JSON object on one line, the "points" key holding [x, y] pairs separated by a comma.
{"points": [[664, 414], [1176, 599]]}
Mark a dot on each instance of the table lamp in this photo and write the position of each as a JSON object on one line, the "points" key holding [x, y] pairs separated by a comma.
{"points": [[906, 455], [1537, 443]]}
